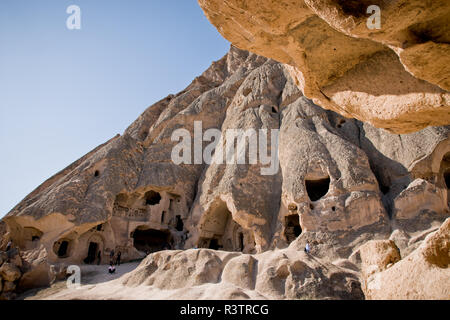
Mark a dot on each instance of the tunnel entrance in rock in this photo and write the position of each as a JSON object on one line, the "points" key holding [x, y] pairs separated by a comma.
{"points": [[316, 189], [92, 252], [151, 240], [152, 198], [292, 227], [223, 232]]}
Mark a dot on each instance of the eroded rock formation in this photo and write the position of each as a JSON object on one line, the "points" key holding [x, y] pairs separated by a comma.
{"points": [[396, 77], [340, 183]]}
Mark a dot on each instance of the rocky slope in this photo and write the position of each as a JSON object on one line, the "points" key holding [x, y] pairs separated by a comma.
{"points": [[395, 77], [340, 183]]}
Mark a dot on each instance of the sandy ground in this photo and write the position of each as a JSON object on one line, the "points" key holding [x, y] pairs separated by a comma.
{"points": [[91, 276], [97, 284]]}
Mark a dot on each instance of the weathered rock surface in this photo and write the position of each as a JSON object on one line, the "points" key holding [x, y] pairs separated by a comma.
{"points": [[9, 272], [211, 274], [423, 274], [339, 183], [396, 77]]}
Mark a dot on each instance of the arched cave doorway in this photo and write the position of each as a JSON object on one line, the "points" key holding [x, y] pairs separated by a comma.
{"points": [[151, 240], [94, 248], [223, 232], [292, 227], [316, 189]]}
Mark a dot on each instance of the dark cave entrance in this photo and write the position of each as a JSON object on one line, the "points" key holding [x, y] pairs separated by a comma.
{"points": [[292, 227], [447, 178], [241, 241], [316, 189], [151, 240], [180, 224], [92, 252], [214, 244], [152, 198], [62, 251]]}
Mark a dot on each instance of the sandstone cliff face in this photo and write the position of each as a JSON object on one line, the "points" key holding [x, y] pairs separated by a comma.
{"points": [[340, 183], [395, 77]]}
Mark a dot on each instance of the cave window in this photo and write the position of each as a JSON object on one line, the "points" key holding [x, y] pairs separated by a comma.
{"points": [[62, 250], [292, 227], [99, 227], [180, 224], [316, 189], [35, 238], [170, 204], [333, 208], [152, 198], [96, 173], [162, 216], [274, 110], [447, 179]]}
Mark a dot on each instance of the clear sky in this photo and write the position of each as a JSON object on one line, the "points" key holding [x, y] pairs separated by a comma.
{"points": [[63, 92]]}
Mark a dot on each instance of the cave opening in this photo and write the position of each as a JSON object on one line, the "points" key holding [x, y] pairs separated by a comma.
{"points": [[62, 250], [152, 198], [316, 189], [92, 252], [241, 241], [447, 178], [292, 227], [180, 224], [96, 173], [220, 231], [151, 240], [214, 244]]}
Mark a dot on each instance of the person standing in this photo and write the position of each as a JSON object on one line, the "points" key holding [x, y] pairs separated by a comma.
{"points": [[119, 254], [307, 247], [99, 257]]}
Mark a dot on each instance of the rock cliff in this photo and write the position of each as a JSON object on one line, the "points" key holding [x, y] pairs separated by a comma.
{"points": [[338, 183]]}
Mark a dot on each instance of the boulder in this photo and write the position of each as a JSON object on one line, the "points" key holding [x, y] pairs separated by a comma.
{"points": [[423, 274], [392, 77], [9, 272]]}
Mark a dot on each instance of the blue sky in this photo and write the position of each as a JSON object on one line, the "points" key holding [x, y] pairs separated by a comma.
{"points": [[63, 92]]}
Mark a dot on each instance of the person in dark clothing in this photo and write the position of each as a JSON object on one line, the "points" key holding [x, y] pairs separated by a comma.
{"points": [[99, 257], [119, 254], [112, 268], [111, 255]]}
